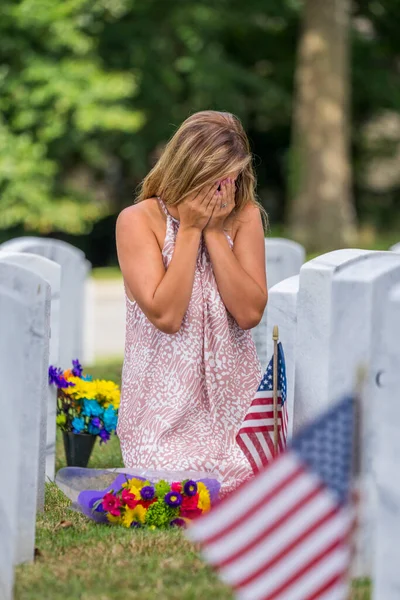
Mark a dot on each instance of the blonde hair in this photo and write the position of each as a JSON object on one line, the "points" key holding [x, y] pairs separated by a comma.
{"points": [[207, 146]]}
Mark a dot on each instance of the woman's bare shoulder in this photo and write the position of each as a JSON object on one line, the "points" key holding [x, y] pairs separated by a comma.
{"points": [[143, 214], [249, 213]]}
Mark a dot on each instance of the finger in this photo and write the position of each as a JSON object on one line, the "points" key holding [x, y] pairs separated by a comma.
{"points": [[209, 193], [213, 198], [225, 195]]}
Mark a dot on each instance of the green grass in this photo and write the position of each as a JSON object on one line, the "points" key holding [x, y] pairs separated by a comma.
{"points": [[79, 560], [101, 273]]}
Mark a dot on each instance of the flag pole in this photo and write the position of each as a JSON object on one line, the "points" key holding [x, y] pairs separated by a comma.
{"points": [[361, 591], [275, 337]]}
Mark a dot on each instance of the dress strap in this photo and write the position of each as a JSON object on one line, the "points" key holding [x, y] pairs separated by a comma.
{"points": [[165, 210], [163, 207]]}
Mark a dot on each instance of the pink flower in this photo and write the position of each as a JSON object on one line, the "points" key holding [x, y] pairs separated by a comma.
{"points": [[129, 499], [176, 486], [112, 504]]}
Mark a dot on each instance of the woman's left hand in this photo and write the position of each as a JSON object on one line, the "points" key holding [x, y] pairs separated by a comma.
{"points": [[223, 207]]}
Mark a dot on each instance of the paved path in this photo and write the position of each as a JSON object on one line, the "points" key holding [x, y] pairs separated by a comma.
{"points": [[104, 320]]}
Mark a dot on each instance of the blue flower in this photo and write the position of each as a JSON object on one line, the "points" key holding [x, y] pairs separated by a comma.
{"points": [[77, 368], [78, 424], [91, 408], [94, 426], [87, 377], [110, 419]]}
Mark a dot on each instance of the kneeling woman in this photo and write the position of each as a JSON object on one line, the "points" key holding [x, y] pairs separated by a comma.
{"points": [[191, 251]]}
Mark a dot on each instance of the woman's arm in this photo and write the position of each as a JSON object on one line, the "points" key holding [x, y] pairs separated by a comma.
{"points": [[162, 294], [240, 274]]}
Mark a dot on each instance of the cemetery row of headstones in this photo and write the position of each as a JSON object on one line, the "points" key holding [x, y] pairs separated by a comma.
{"points": [[343, 309], [342, 312], [41, 300]]}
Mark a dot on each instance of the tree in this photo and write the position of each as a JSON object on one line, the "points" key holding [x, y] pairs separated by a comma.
{"points": [[321, 211], [62, 109]]}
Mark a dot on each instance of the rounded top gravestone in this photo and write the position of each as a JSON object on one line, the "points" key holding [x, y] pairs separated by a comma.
{"points": [[74, 271], [283, 259], [30, 360], [386, 574], [282, 311], [395, 248]]}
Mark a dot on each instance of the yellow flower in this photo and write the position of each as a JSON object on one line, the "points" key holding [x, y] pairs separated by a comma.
{"points": [[114, 520], [134, 514], [105, 392], [204, 497], [134, 486]]}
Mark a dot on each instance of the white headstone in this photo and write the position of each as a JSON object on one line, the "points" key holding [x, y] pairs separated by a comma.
{"points": [[51, 272], [283, 259], [74, 271], [386, 573], [282, 311], [28, 364], [395, 248], [340, 321], [13, 315]]}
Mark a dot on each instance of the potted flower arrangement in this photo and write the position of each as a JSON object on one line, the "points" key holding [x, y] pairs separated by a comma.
{"points": [[87, 409]]}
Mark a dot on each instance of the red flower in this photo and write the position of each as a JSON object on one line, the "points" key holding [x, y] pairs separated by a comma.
{"points": [[176, 486], [190, 502], [147, 503], [191, 514], [112, 504], [129, 499]]}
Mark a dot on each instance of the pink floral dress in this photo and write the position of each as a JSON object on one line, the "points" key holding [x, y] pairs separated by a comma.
{"points": [[184, 396]]}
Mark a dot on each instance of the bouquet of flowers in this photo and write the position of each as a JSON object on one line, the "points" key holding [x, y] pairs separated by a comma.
{"points": [[137, 502], [84, 404]]}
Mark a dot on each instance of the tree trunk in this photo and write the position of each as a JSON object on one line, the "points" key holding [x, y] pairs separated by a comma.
{"points": [[321, 211]]}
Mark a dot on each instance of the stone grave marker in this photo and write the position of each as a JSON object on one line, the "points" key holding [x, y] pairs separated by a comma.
{"points": [[339, 312], [74, 271], [283, 259], [386, 579], [51, 272], [282, 311], [28, 362], [13, 315], [395, 248]]}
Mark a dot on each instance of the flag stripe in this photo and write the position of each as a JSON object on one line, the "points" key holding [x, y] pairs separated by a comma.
{"points": [[250, 565], [305, 560], [263, 527]]}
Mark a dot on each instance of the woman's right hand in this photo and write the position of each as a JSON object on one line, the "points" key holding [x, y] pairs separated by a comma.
{"points": [[196, 210]]}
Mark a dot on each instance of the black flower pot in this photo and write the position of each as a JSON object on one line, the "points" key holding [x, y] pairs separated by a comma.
{"points": [[78, 448]]}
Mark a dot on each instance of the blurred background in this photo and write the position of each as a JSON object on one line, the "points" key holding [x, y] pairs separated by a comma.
{"points": [[90, 90]]}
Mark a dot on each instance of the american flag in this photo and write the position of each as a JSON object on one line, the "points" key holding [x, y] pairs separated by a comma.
{"points": [[285, 534], [256, 436]]}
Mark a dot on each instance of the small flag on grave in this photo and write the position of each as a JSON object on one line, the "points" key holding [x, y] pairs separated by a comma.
{"points": [[263, 433], [286, 534]]}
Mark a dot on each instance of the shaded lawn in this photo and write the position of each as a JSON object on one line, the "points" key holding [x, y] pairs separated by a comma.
{"points": [[79, 560]]}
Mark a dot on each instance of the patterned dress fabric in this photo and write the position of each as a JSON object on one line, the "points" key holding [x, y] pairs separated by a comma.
{"points": [[185, 396]]}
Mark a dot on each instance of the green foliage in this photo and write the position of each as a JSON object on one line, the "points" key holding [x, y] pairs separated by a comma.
{"points": [[60, 104], [90, 90]]}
